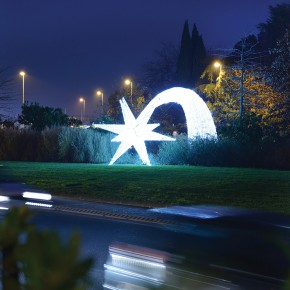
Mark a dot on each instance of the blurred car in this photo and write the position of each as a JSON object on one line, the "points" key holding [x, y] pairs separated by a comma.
{"points": [[139, 268], [18, 194], [220, 248]]}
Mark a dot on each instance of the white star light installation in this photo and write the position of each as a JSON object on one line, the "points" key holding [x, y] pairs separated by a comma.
{"points": [[136, 131], [133, 133]]}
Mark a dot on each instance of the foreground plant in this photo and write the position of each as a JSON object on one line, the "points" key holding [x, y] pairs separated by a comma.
{"points": [[33, 259]]}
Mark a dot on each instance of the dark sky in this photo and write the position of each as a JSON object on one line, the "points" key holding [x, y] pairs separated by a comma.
{"points": [[70, 48]]}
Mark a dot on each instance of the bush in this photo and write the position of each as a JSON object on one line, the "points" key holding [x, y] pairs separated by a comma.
{"points": [[60, 144], [19, 145], [174, 153], [64, 144], [222, 152], [48, 146], [275, 153], [79, 145], [227, 152]]}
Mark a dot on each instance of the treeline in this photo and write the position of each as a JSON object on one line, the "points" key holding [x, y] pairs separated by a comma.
{"points": [[65, 144]]}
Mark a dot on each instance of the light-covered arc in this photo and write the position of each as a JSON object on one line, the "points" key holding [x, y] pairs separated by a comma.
{"points": [[198, 117]]}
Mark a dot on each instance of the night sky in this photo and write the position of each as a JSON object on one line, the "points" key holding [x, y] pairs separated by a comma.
{"points": [[70, 48]]}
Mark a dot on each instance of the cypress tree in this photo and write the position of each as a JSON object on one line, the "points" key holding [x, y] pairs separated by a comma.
{"points": [[184, 61], [198, 55]]}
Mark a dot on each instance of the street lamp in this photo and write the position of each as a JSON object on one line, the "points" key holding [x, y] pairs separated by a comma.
{"points": [[217, 64], [127, 83], [101, 93], [82, 100], [22, 73]]}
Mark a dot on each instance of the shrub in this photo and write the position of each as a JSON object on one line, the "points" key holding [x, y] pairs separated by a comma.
{"points": [[275, 153], [174, 153], [34, 259], [210, 152], [79, 145], [73, 145], [64, 144], [227, 152], [48, 145], [18, 145], [7, 138], [103, 147]]}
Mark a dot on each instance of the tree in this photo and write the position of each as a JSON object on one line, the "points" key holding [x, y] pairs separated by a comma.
{"points": [[245, 56], [280, 73], [171, 68], [265, 104], [198, 55], [191, 59], [114, 110], [160, 73], [8, 123], [39, 117], [136, 102], [230, 85], [184, 61], [242, 60], [280, 68], [262, 106], [73, 122], [247, 91], [275, 27], [274, 38]]}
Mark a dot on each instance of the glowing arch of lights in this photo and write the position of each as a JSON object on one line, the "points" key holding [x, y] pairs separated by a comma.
{"points": [[136, 131]]}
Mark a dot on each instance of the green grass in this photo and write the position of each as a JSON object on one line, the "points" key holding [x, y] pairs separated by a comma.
{"points": [[157, 185]]}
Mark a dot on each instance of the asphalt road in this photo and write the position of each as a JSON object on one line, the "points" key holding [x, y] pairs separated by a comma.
{"points": [[250, 250]]}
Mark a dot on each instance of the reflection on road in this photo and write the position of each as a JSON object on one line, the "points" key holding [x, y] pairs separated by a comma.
{"points": [[134, 267]]}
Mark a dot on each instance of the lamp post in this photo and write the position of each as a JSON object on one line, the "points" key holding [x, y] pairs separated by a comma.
{"points": [[101, 93], [82, 100], [127, 83], [217, 64], [22, 73]]}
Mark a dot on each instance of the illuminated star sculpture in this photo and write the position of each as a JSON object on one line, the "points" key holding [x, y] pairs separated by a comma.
{"points": [[133, 133]]}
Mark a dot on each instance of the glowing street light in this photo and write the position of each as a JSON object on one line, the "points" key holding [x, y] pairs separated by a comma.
{"points": [[217, 64], [82, 100], [101, 93], [128, 82], [22, 73]]}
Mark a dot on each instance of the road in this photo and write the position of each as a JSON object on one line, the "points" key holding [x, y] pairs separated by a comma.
{"points": [[246, 249]]}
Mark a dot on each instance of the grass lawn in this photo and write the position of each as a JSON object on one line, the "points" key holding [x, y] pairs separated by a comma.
{"points": [[157, 185]]}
